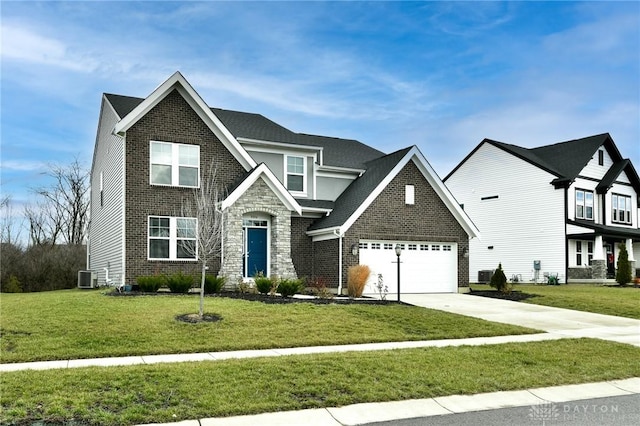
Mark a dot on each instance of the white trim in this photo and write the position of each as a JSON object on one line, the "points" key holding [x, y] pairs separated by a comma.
{"points": [[173, 239], [287, 146], [177, 81], [432, 178], [274, 184], [304, 174]]}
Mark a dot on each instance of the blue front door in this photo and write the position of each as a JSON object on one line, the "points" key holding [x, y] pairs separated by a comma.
{"points": [[256, 260]]}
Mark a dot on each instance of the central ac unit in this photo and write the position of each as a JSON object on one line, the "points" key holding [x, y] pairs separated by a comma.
{"points": [[87, 279]]}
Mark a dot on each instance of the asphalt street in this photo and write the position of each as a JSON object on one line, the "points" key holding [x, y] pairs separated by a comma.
{"points": [[614, 411]]}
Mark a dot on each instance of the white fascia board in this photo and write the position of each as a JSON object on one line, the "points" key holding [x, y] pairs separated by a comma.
{"points": [[325, 234], [199, 106], [444, 193], [285, 145], [340, 170], [432, 178], [274, 184]]}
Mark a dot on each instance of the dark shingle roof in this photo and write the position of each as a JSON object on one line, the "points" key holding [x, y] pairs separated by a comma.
{"points": [[347, 153], [353, 197], [565, 160], [123, 104]]}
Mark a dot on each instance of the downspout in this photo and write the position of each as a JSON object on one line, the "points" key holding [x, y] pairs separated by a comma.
{"points": [[566, 237], [339, 235]]}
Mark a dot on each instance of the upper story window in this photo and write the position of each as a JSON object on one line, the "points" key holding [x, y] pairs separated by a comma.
{"points": [[172, 238], [175, 164], [584, 204], [296, 180], [621, 206], [600, 157]]}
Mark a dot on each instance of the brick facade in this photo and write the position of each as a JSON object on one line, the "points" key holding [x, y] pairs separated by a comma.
{"points": [[301, 246], [172, 120], [389, 218]]}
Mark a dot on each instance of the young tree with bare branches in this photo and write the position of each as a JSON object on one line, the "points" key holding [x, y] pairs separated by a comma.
{"points": [[204, 207]]}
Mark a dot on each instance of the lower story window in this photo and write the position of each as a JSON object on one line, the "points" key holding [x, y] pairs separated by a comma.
{"points": [[172, 238], [578, 253]]}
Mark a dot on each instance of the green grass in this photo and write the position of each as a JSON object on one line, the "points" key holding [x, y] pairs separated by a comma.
{"points": [[86, 324], [608, 300], [174, 392]]}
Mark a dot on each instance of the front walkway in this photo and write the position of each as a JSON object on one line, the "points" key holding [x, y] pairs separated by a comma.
{"points": [[557, 321]]}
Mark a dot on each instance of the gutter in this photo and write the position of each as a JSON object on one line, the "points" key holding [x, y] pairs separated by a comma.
{"points": [[338, 234]]}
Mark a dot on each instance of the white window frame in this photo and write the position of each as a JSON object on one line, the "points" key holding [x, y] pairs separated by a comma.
{"points": [[616, 210], [584, 204], [173, 238], [303, 174], [175, 163]]}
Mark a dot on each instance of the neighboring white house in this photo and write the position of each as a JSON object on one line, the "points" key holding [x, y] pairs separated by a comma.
{"points": [[560, 209]]}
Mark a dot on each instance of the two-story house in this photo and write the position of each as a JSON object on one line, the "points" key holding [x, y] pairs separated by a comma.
{"points": [[294, 204], [556, 209]]}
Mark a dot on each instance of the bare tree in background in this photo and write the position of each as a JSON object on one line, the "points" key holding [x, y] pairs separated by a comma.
{"points": [[63, 210], [9, 231], [203, 205]]}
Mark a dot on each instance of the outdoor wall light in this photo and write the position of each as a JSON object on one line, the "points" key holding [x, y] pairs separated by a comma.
{"points": [[465, 252], [354, 249]]}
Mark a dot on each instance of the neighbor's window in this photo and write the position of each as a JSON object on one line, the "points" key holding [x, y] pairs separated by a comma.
{"points": [[175, 164], [578, 253], [584, 204], [621, 206], [295, 179], [600, 157], [172, 238], [589, 252]]}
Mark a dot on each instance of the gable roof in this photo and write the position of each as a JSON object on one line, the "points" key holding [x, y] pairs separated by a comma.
{"points": [[565, 160], [379, 173], [179, 83], [262, 171], [337, 152]]}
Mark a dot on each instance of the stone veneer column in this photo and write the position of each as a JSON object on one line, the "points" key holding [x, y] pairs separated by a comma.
{"points": [[258, 198], [599, 263]]}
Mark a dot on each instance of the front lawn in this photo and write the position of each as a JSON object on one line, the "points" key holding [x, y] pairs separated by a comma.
{"points": [[608, 300], [174, 392], [71, 324]]}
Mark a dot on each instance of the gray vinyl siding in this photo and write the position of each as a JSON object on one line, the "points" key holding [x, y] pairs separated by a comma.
{"points": [[106, 233], [275, 162], [329, 188], [518, 212]]}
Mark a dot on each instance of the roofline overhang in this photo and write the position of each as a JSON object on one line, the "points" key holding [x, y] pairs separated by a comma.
{"points": [[279, 144], [178, 82], [274, 184], [323, 168]]}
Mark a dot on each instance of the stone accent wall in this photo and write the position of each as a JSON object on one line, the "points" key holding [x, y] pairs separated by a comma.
{"points": [[599, 269], [301, 246], [580, 273], [258, 198], [389, 218], [172, 120]]}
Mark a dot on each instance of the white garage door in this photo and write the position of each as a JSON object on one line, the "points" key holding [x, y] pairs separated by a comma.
{"points": [[425, 267]]}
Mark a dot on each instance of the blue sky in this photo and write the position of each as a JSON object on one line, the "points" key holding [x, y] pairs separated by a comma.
{"points": [[439, 75]]}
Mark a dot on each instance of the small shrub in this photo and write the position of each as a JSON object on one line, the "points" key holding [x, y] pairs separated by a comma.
{"points": [[499, 280], [623, 272], [244, 287], [357, 277], [180, 283], [213, 284], [151, 283], [265, 285], [382, 289], [12, 285], [319, 288], [289, 287]]}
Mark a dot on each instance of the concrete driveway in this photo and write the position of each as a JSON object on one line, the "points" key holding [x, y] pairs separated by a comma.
{"points": [[558, 321]]}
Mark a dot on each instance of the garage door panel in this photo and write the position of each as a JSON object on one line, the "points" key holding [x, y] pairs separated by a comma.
{"points": [[425, 267]]}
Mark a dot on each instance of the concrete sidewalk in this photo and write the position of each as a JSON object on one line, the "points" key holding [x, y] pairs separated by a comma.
{"points": [[359, 414], [219, 356], [557, 321]]}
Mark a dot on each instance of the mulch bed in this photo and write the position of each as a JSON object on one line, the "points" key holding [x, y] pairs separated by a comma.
{"points": [[195, 318], [515, 296]]}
